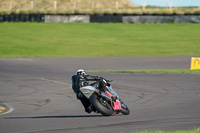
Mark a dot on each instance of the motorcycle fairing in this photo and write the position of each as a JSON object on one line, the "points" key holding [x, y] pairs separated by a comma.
{"points": [[116, 105], [87, 91], [111, 90]]}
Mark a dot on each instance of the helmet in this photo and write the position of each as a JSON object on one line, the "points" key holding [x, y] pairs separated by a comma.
{"points": [[80, 72]]}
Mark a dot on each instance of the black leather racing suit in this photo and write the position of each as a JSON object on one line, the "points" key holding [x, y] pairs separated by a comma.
{"points": [[79, 81]]}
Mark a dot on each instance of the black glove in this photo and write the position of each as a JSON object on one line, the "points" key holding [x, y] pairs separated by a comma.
{"points": [[109, 80], [114, 98], [79, 95], [96, 77]]}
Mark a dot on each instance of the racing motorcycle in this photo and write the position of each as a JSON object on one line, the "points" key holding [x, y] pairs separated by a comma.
{"points": [[102, 102]]}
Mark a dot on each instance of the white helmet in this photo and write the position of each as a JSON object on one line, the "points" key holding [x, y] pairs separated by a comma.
{"points": [[80, 72]]}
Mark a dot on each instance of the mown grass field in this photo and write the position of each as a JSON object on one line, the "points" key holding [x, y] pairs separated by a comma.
{"points": [[189, 131], [185, 71], [98, 39]]}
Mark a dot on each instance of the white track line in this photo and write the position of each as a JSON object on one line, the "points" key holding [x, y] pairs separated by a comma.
{"points": [[24, 59], [56, 90], [10, 109], [54, 81]]}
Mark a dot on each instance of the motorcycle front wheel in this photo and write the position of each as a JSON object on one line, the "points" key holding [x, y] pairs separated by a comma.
{"points": [[124, 109], [101, 105]]}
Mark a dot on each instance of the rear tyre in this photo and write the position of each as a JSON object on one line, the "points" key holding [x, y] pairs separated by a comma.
{"points": [[101, 105]]}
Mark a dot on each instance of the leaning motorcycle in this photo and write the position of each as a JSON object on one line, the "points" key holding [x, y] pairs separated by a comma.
{"points": [[102, 102]]}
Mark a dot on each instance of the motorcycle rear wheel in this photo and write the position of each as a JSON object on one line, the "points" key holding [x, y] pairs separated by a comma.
{"points": [[101, 105]]}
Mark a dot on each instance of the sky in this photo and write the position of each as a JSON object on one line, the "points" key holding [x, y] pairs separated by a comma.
{"points": [[165, 3]]}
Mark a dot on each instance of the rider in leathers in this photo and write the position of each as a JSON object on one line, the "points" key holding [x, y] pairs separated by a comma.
{"points": [[82, 79]]}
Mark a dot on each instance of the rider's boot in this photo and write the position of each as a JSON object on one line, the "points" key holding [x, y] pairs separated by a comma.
{"points": [[89, 109]]}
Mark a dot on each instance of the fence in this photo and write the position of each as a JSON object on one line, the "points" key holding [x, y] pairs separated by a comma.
{"points": [[100, 18]]}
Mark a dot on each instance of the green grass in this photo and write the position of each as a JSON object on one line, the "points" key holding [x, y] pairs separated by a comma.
{"points": [[187, 71], [189, 131], [98, 39]]}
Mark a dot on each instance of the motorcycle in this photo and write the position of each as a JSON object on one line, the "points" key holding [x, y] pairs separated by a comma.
{"points": [[102, 102]]}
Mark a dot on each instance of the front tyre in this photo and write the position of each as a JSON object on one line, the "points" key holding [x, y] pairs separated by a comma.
{"points": [[101, 105], [124, 109]]}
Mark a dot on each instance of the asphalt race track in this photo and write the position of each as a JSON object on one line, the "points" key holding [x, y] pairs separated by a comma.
{"points": [[39, 97]]}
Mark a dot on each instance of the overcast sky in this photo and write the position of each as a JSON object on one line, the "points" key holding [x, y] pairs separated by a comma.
{"points": [[167, 2]]}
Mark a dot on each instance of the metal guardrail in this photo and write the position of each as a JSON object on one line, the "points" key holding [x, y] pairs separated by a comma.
{"points": [[101, 18]]}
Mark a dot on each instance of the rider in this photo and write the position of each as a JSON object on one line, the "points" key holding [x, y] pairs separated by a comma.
{"points": [[82, 79]]}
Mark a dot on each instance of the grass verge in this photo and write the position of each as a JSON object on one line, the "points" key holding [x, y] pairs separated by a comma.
{"points": [[189, 131], [98, 39], [186, 71]]}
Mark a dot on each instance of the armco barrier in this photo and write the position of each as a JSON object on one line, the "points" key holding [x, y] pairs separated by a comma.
{"points": [[105, 18], [187, 19], [101, 18], [162, 19], [22, 18], [79, 18], [147, 19], [56, 18], [67, 18], [1, 18]]}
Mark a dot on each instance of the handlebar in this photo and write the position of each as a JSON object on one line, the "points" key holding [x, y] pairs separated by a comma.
{"points": [[101, 78]]}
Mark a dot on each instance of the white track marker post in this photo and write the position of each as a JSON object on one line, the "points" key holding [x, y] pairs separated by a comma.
{"points": [[144, 6], [199, 5], [74, 4], [170, 5], [10, 4], [93, 4], [117, 4], [55, 4], [31, 4], [167, 4]]}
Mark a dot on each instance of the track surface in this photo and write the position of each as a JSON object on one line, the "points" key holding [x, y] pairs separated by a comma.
{"points": [[40, 92]]}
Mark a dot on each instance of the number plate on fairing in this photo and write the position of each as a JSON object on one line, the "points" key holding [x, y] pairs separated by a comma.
{"points": [[117, 106]]}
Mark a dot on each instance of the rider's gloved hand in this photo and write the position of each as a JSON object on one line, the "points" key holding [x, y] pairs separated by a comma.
{"points": [[97, 77], [101, 78], [79, 95], [114, 98]]}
